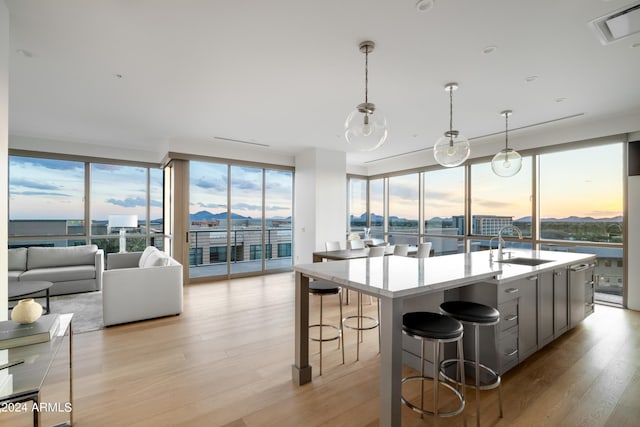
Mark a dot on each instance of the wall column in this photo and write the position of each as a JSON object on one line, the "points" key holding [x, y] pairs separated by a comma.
{"points": [[320, 198]]}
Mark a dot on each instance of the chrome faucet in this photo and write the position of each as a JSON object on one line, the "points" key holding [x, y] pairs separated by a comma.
{"points": [[501, 240]]}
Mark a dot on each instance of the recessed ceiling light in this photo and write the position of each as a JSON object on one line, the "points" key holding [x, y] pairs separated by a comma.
{"points": [[531, 79], [425, 5], [489, 50], [24, 53]]}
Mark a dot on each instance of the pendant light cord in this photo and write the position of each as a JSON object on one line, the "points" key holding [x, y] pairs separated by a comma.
{"points": [[506, 131], [366, 75], [451, 116], [450, 109]]}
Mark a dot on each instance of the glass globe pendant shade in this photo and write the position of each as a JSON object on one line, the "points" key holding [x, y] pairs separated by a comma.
{"points": [[506, 163], [366, 128], [451, 149]]}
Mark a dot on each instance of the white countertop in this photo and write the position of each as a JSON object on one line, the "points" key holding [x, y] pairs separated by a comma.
{"points": [[398, 276]]}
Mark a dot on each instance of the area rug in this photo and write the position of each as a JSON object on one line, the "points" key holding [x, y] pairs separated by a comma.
{"points": [[86, 308]]}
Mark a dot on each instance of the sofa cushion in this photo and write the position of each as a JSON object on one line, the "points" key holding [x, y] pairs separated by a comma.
{"points": [[17, 259], [145, 254], [60, 274], [156, 259], [39, 257], [14, 275]]}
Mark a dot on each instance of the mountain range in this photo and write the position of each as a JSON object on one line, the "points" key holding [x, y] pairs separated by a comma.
{"points": [[208, 216], [379, 218]]}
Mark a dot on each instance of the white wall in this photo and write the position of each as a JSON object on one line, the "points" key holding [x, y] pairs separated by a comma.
{"points": [[84, 149], [320, 209], [633, 243], [4, 144]]}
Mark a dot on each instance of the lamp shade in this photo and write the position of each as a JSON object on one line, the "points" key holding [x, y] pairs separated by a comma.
{"points": [[123, 221], [451, 149], [506, 163], [366, 128]]}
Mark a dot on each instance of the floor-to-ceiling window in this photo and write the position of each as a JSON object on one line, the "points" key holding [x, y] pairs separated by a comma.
{"points": [[240, 219], [278, 214], [497, 202], [581, 208], [376, 208], [46, 202], [403, 209], [357, 205], [568, 197], [51, 200], [444, 191]]}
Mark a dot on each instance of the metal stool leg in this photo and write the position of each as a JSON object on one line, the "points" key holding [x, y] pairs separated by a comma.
{"points": [[321, 328]]}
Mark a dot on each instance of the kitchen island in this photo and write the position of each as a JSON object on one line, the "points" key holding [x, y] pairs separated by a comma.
{"points": [[399, 282]]}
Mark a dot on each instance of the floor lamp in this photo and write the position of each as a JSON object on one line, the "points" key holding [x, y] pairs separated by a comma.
{"points": [[123, 222]]}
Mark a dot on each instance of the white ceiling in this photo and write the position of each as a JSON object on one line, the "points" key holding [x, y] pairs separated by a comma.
{"points": [[287, 73]]}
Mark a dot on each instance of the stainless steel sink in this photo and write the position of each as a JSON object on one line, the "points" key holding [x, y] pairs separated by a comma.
{"points": [[525, 261]]}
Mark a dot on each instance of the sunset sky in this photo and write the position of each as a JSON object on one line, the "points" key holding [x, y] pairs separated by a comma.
{"points": [[583, 182]]}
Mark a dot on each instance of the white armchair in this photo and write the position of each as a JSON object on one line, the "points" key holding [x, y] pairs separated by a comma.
{"points": [[139, 286]]}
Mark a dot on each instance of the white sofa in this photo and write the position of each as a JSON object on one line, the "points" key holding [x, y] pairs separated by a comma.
{"points": [[140, 285]]}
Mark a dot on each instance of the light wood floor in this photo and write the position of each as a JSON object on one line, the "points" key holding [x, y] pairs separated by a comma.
{"points": [[226, 361]]}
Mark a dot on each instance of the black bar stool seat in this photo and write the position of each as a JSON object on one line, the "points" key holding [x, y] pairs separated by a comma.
{"points": [[440, 329], [484, 378]]}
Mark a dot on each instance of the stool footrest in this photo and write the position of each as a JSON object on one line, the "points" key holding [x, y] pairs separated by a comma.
{"points": [[417, 409], [489, 379], [332, 338], [373, 323]]}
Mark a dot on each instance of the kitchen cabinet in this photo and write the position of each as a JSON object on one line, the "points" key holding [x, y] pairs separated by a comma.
{"points": [[560, 302], [528, 311], [499, 344], [552, 305], [581, 292]]}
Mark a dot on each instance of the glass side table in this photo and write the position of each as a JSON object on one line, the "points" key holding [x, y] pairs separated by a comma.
{"points": [[21, 383]]}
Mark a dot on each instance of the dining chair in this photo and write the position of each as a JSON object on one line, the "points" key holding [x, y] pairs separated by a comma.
{"points": [[424, 250], [355, 244], [402, 250], [332, 246], [377, 251]]}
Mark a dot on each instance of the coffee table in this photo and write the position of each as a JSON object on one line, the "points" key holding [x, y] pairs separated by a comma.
{"points": [[19, 289]]}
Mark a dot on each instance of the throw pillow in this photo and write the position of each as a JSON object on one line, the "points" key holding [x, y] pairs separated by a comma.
{"points": [[145, 254], [156, 259]]}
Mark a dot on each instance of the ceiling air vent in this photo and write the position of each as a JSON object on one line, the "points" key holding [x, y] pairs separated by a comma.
{"points": [[618, 24]]}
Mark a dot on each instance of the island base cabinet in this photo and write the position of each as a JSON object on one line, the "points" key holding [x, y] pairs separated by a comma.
{"points": [[581, 289], [552, 305], [498, 343], [528, 321]]}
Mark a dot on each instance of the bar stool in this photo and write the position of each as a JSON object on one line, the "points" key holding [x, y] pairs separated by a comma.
{"points": [[476, 315], [365, 323], [318, 287], [439, 329]]}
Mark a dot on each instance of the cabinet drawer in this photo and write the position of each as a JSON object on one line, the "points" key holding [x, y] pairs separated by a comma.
{"points": [[508, 315], [508, 291], [508, 348]]}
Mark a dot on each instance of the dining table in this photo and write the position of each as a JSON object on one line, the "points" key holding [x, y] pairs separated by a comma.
{"points": [[343, 254], [393, 279]]}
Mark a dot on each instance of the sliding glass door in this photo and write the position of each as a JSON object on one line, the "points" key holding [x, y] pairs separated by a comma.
{"points": [[240, 219]]}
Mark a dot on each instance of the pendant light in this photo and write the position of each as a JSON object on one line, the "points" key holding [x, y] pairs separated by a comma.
{"points": [[366, 126], [451, 149], [508, 161]]}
